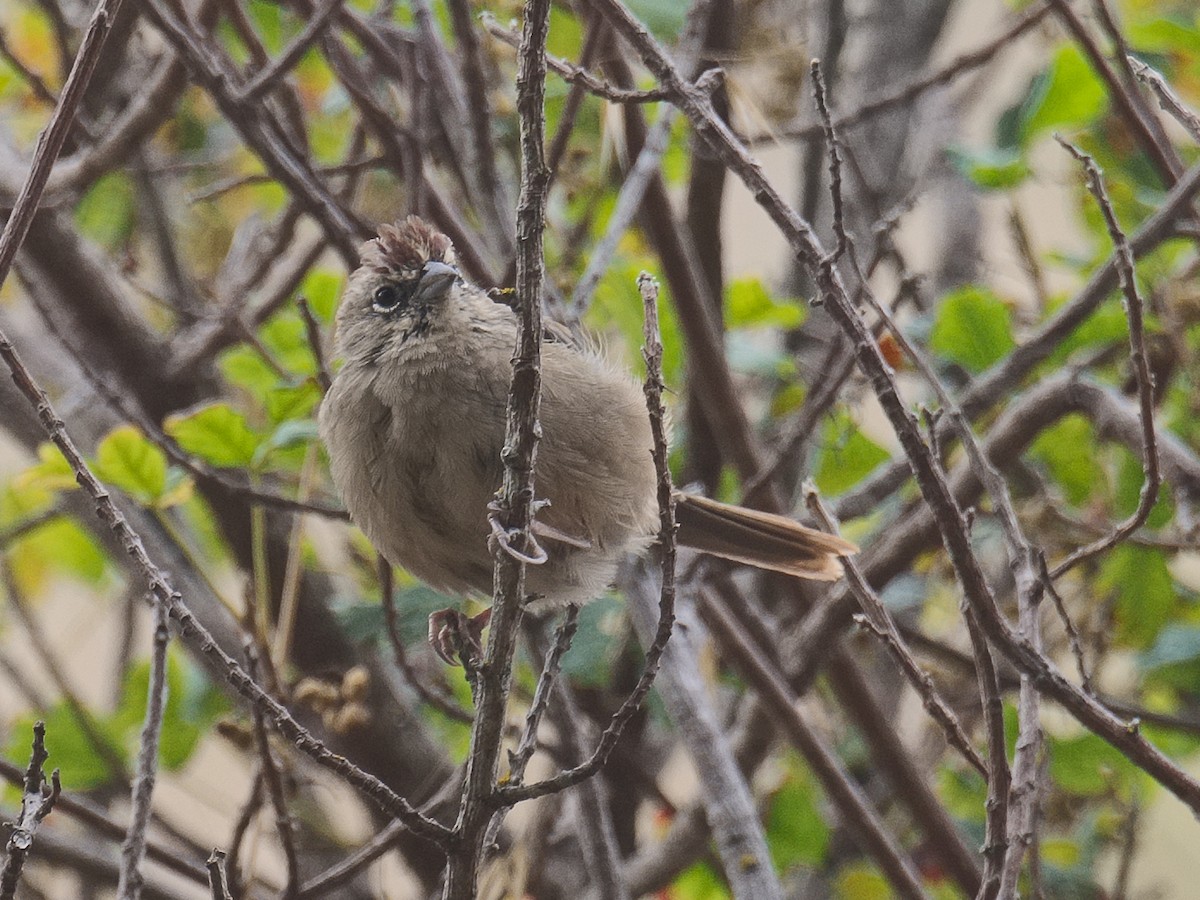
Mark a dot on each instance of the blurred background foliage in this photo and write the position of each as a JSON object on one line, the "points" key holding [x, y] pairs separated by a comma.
{"points": [[1135, 607]]}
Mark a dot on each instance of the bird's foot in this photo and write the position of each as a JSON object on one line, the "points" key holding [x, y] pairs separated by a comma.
{"points": [[455, 636], [535, 556]]}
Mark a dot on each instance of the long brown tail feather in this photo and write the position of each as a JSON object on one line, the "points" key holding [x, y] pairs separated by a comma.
{"points": [[759, 539]]}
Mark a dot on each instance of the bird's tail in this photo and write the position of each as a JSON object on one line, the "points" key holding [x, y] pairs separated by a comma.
{"points": [[759, 539]]}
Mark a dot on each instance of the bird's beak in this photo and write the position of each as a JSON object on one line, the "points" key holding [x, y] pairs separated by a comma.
{"points": [[436, 279]]}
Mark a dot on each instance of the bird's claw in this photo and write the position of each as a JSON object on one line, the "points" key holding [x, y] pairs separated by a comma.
{"points": [[455, 636]]}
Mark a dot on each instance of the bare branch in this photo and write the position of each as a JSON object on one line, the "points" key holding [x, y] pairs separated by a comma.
{"points": [[36, 804], [1141, 367], [134, 847]]}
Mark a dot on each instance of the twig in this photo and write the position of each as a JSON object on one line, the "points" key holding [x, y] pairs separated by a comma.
{"points": [[654, 387], [35, 82], [312, 330], [909, 92], [1141, 367], [1129, 104], [97, 822], [264, 79], [284, 826], [192, 632], [1073, 638], [36, 804], [930, 479], [246, 815], [573, 74], [479, 116], [1004, 377], [518, 759], [629, 201], [837, 782], [240, 181], [515, 498], [435, 698], [133, 849], [1167, 98], [728, 801], [834, 148], [216, 875], [878, 619]]}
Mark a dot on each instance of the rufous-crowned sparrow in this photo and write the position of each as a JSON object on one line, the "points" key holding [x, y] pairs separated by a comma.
{"points": [[415, 421]]}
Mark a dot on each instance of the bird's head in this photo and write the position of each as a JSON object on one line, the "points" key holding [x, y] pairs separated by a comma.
{"points": [[406, 273]]}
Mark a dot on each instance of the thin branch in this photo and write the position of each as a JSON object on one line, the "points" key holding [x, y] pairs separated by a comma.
{"points": [[216, 875], [907, 93], [1167, 98], [36, 804], [654, 386], [515, 498], [1130, 105], [192, 632], [574, 75], [851, 801], [265, 78], [133, 849], [878, 619], [97, 822], [934, 488], [435, 698], [284, 826], [1141, 367], [629, 201], [312, 331], [834, 148]]}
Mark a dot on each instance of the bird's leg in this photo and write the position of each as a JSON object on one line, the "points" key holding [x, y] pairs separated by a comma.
{"points": [[454, 635]]}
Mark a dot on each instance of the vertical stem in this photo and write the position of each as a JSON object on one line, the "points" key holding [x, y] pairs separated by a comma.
{"points": [[518, 455]]}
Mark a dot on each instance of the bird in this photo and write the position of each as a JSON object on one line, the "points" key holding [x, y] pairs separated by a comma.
{"points": [[414, 424]]}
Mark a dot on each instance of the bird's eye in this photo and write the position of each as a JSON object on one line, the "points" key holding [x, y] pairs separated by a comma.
{"points": [[388, 297]]}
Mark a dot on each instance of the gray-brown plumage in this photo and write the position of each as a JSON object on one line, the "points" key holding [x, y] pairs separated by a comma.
{"points": [[414, 424]]}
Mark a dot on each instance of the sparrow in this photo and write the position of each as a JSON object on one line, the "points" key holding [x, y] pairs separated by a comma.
{"points": [[414, 423]]}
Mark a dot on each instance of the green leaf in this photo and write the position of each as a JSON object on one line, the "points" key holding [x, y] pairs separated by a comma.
{"points": [[1176, 643], [1130, 478], [59, 546], [1068, 450], [127, 460], [994, 169], [664, 18], [286, 336], [1068, 95], [51, 473], [860, 882], [288, 436], [847, 456], [1145, 593], [321, 288], [796, 833], [1087, 765], [973, 328], [193, 704], [217, 433], [699, 882], [293, 401], [80, 766], [245, 367], [106, 212], [749, 305]]}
